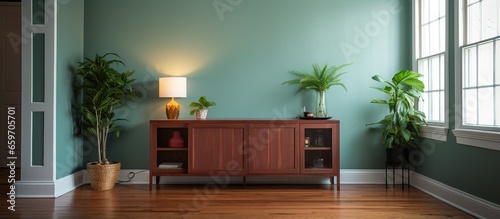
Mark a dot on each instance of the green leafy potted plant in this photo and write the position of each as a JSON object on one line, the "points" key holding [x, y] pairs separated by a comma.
{"points": [[400, 127], [104, 90], [320, 81], [201, 107]]}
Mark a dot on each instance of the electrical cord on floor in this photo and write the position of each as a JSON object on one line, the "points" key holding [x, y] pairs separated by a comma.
{"points": [[130, 176]]}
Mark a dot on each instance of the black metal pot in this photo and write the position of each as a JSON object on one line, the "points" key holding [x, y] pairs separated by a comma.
{"points": [[396, 156]]}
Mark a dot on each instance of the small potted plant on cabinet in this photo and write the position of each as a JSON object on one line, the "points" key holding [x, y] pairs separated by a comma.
{"points": [[320, 81], [400, 127], [201, 107], [104, 90]]}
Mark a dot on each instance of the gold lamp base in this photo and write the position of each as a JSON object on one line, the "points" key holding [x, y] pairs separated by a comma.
{"points": [[172, 109]]}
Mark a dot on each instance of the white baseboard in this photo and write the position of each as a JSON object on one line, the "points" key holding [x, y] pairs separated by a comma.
{"points": [[49, 189], [347, 176], [464, 201], [35, 189], [73, 181], [69, 183]]}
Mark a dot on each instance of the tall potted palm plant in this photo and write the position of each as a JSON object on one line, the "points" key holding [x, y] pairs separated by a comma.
{"points": [[400, 127], [320, 81], [104, 90]]}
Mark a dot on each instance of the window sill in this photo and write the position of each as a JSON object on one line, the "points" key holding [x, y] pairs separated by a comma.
{"points": [[434, 132], [482, 139]]}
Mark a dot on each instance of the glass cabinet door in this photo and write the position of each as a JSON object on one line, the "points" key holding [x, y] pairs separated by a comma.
{"points": [[317, 148]]}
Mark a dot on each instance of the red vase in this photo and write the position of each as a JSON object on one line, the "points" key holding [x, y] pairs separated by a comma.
{"points": [[176, 141]]}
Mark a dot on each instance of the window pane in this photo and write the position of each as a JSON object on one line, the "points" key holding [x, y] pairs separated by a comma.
{"points": [[441, 72], [442, 8], [474, 23], [489, 19], [425, 41], [425, 11], [433, 10], [486, 108], [497, 106], [441, 96], [432, 35], [423, 105], [423, 68], [435, 110], [485, 66], [461, 25], [469, 67], [434, 38], [434, 74], [497, 64], [442, 35], [470, 107], [481, 63]]}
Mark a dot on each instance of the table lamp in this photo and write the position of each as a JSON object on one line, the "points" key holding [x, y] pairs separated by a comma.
{"points": [[172, 87]]}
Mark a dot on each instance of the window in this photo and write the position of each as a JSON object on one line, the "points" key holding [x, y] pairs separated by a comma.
{"points": [[478, 62], [480, 48], [430, 60]]}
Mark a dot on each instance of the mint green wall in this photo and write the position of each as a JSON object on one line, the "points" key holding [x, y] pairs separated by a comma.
{"points": [[470, 169], [69, 152], [241, 58]]}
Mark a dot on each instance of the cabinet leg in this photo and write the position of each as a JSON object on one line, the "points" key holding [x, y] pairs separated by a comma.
{"points": [[157, 180], [338, 182], [385, 175], [331, 180], [150, 182], [408, 176], [403, 177], [244, 181], [393, 177]]}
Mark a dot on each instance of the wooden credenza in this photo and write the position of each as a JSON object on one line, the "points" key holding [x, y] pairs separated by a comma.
{"points": [[245, 148]]}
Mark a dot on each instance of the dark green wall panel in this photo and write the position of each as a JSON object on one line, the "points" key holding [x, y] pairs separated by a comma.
{"points": [[38, 83], [466, 168], [38, 139]]}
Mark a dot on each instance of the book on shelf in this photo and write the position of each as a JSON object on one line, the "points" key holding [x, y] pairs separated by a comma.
{"points": [[170, 165]]}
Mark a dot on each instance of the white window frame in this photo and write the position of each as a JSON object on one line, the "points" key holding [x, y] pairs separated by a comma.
{"points": [[468, 135], [435, 130]]}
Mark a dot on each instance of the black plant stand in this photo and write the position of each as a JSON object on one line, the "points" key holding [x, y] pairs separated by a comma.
{"points": [[404, 165]]}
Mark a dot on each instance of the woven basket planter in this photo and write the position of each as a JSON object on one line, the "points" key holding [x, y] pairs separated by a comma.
{"points": [[103, 177]]}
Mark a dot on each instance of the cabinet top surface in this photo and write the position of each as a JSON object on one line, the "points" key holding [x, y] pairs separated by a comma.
{"points": [[286, 121]]}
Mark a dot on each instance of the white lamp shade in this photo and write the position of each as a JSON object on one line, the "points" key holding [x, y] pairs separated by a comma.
{"points": [[172, 87]]}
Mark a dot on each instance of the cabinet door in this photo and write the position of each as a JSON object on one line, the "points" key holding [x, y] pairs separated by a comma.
{"points": [[216, 149], [319, 148], [272, 148]]}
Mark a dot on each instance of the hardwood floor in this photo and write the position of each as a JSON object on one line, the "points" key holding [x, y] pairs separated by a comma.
{"points": [[236, 201]]}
